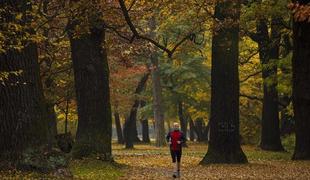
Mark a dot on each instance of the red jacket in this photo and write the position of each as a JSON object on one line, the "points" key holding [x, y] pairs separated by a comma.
{"points": [[175, 136]]}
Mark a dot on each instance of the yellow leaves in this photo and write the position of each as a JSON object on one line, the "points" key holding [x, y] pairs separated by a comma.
{"points": [[19, 16], [5, 75]]}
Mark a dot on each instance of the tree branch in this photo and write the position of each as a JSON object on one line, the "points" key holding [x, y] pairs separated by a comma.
{"points": [[136, 34], [251, 97], [249, 76]]}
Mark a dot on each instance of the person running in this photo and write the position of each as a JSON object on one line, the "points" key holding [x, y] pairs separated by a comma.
{"points": [[176, 138]]}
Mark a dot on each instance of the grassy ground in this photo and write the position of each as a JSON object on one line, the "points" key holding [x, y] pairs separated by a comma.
{"points": [[149, 162]]}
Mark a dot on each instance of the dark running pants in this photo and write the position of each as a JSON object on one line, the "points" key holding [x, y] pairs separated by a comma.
{"points": [[176, 155]]}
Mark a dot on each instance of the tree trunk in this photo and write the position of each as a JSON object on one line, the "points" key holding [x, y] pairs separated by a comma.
{"points": [[23, 115], [120, 139], [199, 127], [91, 75], [145, 126], [136, 135], [269, 53], [191, 130], [224, 143], [52, 126], [287, 120], [301, 87], [183, 120], [157, 103], [145, 131], [130, 123], [160, 139]]}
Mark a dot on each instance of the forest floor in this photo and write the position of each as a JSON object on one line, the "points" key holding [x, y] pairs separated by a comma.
{"points": [[149, 162]]}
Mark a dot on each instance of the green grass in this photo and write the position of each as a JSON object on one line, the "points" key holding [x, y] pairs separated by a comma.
{"points": [[288, 143], [259, 155], [81, 169], [94, 169]]}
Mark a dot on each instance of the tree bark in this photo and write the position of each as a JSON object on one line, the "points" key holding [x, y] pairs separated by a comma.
{"points": [[130, 123], [224, 143], [269, 53], [157, 103], [91, 76], [52, 126], [301, 86], [120, 139], [23, 116], [191, 130], [145, 126], [136, 135], [199, 127], [183, 120], [159, 123]]}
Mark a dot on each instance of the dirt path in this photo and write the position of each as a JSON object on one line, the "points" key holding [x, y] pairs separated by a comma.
{"points": [[146, 165]]}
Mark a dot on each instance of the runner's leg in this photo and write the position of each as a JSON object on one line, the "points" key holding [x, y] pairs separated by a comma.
{"points": [[178, 164]]}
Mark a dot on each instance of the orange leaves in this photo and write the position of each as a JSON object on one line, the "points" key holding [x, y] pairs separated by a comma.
{"points": [[300, 12], [149, 162]]}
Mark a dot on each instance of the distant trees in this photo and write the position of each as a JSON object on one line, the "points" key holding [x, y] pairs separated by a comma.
{"points": [[129, 126], [118, 126]]}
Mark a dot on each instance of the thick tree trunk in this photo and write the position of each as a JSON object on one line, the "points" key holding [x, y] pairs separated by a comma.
{"points": [[23, 116], [157, 103], [91, 75], [301, 87], [269, 53], [130, 123], [145, 126], [120, 139], [224, 143]]}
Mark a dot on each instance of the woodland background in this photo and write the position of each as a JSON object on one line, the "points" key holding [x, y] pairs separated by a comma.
{"points": [[73, 72]]}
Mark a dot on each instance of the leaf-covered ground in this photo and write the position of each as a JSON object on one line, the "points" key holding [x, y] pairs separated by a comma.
{"points": [[149, 162]]}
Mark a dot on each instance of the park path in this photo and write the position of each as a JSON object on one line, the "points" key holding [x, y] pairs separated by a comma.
{"points": [[157, 165]]}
